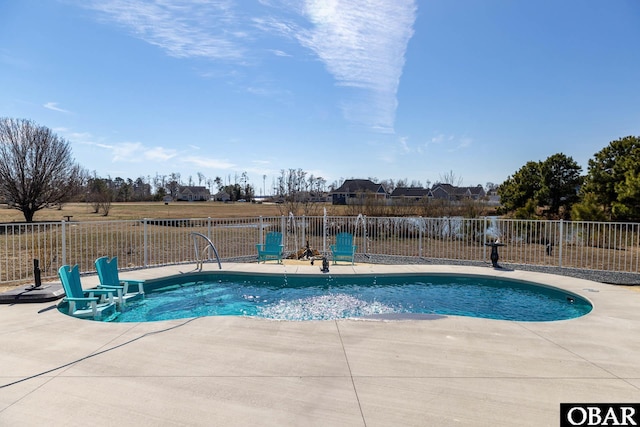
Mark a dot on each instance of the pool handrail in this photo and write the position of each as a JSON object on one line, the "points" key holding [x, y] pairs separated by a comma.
{"points": [[209, 244]]}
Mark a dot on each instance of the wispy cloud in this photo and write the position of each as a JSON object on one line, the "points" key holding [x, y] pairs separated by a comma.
{"points": [[84, 138], [54, 106], [404, 144], [128, 152], [450, 142], [278, 52], [8, 58], [464, 142], [362, 44], [137, 152], [182, 28], [157, 153], [209, 163]]}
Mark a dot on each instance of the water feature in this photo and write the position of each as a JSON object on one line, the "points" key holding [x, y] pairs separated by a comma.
{"points": [[291, 225], [362, 218]]}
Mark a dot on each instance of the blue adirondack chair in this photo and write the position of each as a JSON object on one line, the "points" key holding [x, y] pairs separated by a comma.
{"points": [[128, 289], [90, 303], [272, 248], [343, 249]]}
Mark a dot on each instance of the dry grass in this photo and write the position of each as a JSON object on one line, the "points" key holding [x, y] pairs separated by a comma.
{"points": [[134, 210]]}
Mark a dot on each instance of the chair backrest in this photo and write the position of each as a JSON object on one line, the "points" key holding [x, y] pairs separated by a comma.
{"points": [[344, 240], [70, 278], [108, 270], [273, 238]]}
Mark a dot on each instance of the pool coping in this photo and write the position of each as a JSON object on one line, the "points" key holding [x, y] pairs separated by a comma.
{"points": [[218, 370]]}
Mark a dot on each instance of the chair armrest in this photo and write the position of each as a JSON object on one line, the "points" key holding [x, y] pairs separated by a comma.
{"points": [[108, 287], [93, 303], [81, 299], [108, 293], [104, 290], [133, 282]]}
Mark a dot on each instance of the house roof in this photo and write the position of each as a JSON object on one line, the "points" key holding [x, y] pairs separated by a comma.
{"points": [[359, 185], [452, 190], [447, 188], [477, 190], [192, 189], [410, 192]]}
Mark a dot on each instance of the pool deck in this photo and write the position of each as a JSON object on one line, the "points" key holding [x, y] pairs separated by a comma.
{"points": [[223, 371]]}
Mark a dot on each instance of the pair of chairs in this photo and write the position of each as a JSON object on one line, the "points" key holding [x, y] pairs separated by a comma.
{"points": [[112, 293], [272, 248]]}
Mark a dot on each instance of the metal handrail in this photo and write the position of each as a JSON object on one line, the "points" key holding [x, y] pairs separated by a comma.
{"points": [[207, 246]]}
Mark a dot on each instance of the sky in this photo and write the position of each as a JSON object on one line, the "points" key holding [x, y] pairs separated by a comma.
{"points": [[414, 90]]}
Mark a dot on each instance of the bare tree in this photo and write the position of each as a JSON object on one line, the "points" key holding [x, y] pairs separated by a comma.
{"points": [[294, 189], [36, 167], [451, 178], [101, 195]]}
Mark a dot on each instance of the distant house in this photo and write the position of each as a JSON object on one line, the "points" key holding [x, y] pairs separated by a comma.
{"points": [[451, 192], [356, 189], [413, 194], [193, 194], [443, 191], [477, 192], [317, 196], [222, 196]]}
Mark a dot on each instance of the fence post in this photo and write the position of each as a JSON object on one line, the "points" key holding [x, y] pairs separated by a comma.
{"points": [[421, 223], [145, 244], [209, 227], [484, 240], [364, 232], [560, 243], [303, 240], [261, 231], [283, 230], [324, 232], [64, 243]]}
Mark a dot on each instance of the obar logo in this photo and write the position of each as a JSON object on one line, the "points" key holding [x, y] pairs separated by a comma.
{"points": [[599, 414]]}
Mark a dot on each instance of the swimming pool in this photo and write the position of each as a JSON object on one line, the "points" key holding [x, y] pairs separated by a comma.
{"points": [[327, 297]]}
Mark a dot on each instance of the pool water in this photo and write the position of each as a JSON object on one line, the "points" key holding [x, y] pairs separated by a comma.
{"points": [[335, 297]]}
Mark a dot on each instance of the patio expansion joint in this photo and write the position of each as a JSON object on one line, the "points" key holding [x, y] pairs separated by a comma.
{"points": [[592, 363], [346, 358]]}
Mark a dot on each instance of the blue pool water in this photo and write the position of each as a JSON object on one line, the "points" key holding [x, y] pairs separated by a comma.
{"points": [[334, 297]]}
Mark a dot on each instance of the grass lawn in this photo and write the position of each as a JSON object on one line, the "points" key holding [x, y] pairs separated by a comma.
{"points": [[139, 210]]}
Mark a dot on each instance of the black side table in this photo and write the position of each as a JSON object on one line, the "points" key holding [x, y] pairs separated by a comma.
{"points": [[494, 253]]}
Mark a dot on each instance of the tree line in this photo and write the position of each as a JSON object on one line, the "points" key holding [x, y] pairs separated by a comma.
{"points": [[37, 170], [556, 188]]}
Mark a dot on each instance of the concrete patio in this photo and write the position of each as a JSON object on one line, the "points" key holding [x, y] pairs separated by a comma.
{"points": [[220, 371]]}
